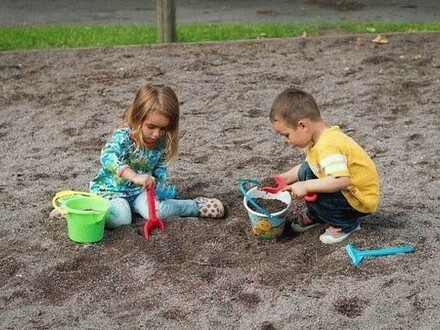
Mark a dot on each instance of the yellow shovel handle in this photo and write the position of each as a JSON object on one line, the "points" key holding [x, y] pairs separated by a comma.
{"points": [[67, 193]]}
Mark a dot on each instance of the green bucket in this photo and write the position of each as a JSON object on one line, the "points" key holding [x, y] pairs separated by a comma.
{"points": [[85, 214]]}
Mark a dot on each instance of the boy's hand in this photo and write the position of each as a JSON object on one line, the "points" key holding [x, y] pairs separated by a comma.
{"points": [[297, 190]]}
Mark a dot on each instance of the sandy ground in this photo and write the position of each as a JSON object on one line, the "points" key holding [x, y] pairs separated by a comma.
{"points": [[58, 107]]}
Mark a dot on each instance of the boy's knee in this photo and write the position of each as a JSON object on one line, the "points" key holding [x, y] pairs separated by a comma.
{"points": [[305, 172]]}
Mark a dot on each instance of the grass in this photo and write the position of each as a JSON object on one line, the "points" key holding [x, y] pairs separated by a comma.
{"points": [[98, 36]]}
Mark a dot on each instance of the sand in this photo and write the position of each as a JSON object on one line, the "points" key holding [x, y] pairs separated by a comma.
{"points": [[58, 107]]}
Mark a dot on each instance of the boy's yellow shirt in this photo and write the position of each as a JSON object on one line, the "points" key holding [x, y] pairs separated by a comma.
{"points": [[337, 154]]}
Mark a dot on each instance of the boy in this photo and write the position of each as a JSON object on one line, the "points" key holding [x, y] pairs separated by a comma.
{"points": [[336, 168]]}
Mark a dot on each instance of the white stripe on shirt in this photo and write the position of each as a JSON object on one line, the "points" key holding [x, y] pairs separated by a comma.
{"points": [[334, 163], [333, 158], [333, 168]]}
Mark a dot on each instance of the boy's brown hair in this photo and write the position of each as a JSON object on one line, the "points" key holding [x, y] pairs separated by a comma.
{"points": [[292, 105]]}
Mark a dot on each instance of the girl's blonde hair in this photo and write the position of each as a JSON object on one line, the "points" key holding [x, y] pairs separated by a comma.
{"points": [[159, 99]]}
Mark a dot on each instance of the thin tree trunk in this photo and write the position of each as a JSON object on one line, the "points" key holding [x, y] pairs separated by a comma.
{"points": [[166, 21]]}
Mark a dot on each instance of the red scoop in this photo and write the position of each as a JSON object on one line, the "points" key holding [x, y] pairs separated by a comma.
{"points": [[273, 190], [153, 221], [283, 184]]}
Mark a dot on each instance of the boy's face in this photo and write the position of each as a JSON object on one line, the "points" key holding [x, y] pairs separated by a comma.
{"points": [[296, 137]]}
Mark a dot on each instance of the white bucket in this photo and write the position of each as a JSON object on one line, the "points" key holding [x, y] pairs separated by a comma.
{"points": [[265, 226]]}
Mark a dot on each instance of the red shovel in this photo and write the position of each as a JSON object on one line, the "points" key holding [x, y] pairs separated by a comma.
{"points": [[283, 184], [153, 221]]}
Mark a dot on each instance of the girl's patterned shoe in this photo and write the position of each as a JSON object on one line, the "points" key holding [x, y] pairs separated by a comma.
{"points": [[210, 207]]}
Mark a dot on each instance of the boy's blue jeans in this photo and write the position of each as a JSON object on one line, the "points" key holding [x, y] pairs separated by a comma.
{"points": [[121, 209], [332, 208]]}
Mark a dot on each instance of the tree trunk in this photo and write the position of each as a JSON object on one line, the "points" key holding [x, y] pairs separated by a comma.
{"points": [[166, 21]]}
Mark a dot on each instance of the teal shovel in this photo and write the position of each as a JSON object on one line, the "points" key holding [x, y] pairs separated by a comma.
{"points": [[356, 255]]}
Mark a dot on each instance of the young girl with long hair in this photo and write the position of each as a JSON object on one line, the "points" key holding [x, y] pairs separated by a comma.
{"points": [[136, 157]]}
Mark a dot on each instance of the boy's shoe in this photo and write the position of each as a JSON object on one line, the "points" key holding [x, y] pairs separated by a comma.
{"points": [[303, 223], [329, 238], [210, 207]]}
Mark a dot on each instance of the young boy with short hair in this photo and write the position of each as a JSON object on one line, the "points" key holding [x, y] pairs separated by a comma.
{"points": [[336, 168]]}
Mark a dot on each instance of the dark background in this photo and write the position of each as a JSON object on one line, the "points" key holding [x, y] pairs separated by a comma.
{"points": [[116, 12]]}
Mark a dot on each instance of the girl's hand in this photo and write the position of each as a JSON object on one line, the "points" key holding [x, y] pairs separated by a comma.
{"points": [[144, 180]]}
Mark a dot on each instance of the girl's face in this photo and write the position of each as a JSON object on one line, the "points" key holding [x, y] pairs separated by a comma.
{"points": [[296, 137], [154, 127]]}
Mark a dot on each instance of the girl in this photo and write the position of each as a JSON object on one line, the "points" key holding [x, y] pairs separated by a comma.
{"points": [[135, 158]]}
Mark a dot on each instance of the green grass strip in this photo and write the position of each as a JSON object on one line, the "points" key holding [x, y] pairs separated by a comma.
{"points": [[23, 38]]}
